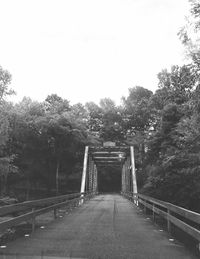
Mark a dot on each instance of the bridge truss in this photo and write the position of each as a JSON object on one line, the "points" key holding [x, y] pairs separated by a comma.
{"points": [[120, 156]]}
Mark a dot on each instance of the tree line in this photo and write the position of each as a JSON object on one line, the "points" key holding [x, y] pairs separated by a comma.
{"points": [[42, 140]]}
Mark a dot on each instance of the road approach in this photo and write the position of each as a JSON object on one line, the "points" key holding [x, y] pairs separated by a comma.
{"points": [[105, 227]]}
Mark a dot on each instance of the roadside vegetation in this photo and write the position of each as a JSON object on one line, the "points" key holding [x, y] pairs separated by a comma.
{"points": [[40, 141]]}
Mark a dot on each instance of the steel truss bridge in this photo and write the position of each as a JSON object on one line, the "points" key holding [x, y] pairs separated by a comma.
{"points": [[100, 226], [96, 157]]}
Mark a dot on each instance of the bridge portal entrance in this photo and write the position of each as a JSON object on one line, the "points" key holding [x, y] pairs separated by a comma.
{"points": [[109, 179], [109, 169]]}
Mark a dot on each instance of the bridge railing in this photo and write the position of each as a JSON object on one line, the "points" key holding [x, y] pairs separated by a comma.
{"points": [[27, 205], [186, 220], [32, 209]]}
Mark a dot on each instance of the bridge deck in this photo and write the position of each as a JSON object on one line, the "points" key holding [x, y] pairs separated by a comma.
{"points": [[106, 227]]}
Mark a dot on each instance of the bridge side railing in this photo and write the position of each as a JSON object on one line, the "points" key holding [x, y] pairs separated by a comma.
{"points": [[27, 205], [186, 220], [32, 209]]}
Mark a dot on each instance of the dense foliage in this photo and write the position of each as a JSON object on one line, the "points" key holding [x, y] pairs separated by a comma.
{"points": [[42, 143]]}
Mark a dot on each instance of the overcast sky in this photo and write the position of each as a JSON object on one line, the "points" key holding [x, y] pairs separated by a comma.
{"points": [[85, 50]]}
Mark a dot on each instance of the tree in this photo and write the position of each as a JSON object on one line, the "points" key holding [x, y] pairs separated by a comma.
{"points": [[137, 120], [49, 144], [137, 110], [6, 167], [5, 80], [172, 158], [95, 114], [6, 158], [189, 34], [111, 129], [56, 104], [176, 85]]}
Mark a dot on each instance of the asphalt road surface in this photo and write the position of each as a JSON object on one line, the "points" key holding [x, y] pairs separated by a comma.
{"points": [[106, 227]]}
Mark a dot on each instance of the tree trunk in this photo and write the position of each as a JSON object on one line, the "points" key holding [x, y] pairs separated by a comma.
{"points": [[3, 185], [142, 148], [27, 189], [1, 192], [57, 177]]}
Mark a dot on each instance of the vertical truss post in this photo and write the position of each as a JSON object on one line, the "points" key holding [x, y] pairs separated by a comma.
{"points": [[96, 188], [95, 179], [134, 180], [126, 178], [122, 182], [90, 174], [83, 181], [129, 175], [123, 179]]}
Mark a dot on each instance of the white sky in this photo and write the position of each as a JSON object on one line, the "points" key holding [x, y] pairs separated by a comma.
{"points": [[85, 50]]}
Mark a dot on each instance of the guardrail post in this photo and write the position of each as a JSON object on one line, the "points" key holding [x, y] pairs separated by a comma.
{"points": [[33, 221], [168, 221]]}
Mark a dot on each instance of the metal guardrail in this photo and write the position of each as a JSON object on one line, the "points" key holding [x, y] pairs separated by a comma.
{"points": [[186, 220], [47, 205], [27, 205]]}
